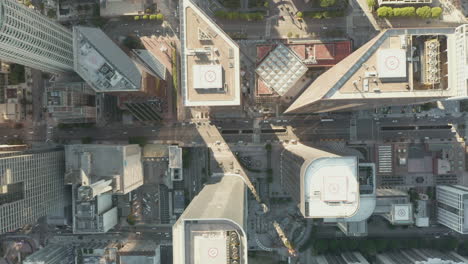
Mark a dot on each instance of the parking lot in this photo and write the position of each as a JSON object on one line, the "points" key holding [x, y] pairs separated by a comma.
{"points": [[145, 204]]}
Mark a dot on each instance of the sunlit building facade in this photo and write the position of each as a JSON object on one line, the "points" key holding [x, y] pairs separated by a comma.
{"points": [[31, 186]]}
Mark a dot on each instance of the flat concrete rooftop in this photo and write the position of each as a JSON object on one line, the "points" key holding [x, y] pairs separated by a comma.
{"points": [[331, 188], [220, 50]]}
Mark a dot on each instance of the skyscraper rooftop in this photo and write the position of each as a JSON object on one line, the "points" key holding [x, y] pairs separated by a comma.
{"points": [[398, 66], [210, 74], [102, 64], [211, 229]]}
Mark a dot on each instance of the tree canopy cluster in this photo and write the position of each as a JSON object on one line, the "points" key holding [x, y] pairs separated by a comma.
{"points": [[238, 15], [327, 3], [159, 17], [422, 12], [324, 14]]}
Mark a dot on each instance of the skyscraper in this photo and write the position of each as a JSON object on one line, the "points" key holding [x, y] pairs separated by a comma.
{"points": [[211, 229], [337, 188], [324, 185], [452, 204], [396, 67], [33, 40], [31, 186]]}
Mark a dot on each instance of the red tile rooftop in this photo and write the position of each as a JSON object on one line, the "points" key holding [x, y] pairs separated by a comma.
{"points": [[325, 54], [329, 54], [324, 51], [299, 50], [262, 88], [262, 51]]}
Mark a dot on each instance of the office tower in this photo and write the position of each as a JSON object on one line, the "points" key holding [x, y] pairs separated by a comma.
{"points": [[324, 185], [211, 229], [95, 165], [31, 186], [420, 256], [52, 254], [96, 173], [210, 61], [33, 40], [106, 68], [336, 188], [397, 67], [452, 202]]}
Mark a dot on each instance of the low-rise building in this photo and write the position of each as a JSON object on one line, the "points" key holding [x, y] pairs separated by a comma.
{"points": [[175, 163], [116, 8], [52, 254], [343, 258], [140, 252], [420, 256], [71, 101]]}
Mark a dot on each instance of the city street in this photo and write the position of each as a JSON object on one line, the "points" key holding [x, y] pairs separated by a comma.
{"points": [[305, 128]]}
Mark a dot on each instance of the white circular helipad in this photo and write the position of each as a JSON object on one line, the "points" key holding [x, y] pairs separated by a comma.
{"points": [[210, 76], [333, 188], [212, 252], [392, 63]]}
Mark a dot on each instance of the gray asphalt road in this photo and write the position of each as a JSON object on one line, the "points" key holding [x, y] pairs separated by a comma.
{"points": [[305, 128]]}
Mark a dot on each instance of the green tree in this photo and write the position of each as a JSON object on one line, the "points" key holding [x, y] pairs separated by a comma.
{"points": [[436, 12], [221, 14], [131, 219], [424, 12], [266, 4], [385, 11], [381, 245], [152, 17], [321, 246], [137, 140], [86, 140], [327, 3], [371, 4], [136, 18], [368, 247], [352, 244], [52, 13], [299, 15], [268, 147], [159, 17], [145, 17], [290, 34], [409, 11], [27, 2], [132, 42]]}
